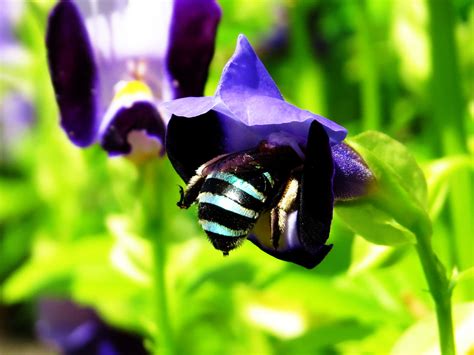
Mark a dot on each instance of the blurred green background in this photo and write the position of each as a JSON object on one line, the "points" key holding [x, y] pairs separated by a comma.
{"points": [[69, 218]]}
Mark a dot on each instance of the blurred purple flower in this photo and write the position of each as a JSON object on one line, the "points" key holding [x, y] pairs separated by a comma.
{"points": [[112, 62], [11, 51], [16, 117], [16, 110], [77, 330], [248, 109]]}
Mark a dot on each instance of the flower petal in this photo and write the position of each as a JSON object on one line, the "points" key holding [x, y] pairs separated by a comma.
{"points": [[244, 73], [316, 191], [78, 330], [142, 115], [124, 29], [352, 177], [290, 248], [248, 108], [190, 142], [73, 73], [191, 45], [248, 92]]}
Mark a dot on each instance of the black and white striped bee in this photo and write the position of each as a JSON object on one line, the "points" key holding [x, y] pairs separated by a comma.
{"points": [[233, 190]]}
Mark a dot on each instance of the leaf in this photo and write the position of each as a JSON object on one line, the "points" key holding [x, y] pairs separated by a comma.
{"points": [[334, 298], [439, 174], [131, 255], [394, 212], [366, 256], [54, 265], [422, 337], [17, 198]]}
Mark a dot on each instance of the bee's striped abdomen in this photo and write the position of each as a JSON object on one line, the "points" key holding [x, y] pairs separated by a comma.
{"points": [[229, 206]]}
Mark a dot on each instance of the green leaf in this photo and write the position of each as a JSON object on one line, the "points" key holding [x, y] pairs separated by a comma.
{"points": [[17, 198], [131, 255], [54, 265], [439, 174], [422, 337], [394, 212], [367, 256]]}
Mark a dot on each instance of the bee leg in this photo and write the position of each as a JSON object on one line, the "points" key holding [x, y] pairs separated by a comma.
{"points": [[279, 215], [188, 196]]}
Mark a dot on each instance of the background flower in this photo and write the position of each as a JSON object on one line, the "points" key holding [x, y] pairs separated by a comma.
{"points": [[77, 330], [112, 62]]}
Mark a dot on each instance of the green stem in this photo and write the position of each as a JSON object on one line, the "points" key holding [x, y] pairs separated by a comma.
{"points": [[440, 290], [154, 227], [449, 114], [166, 343]]}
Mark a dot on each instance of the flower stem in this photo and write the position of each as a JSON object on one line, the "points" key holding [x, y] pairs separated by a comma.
{"points": [[154, 179], [449, 113], [440, 289], [166, 343]]}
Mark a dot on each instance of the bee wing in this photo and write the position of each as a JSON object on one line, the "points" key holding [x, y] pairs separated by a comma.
{"points": [[316, 197]]}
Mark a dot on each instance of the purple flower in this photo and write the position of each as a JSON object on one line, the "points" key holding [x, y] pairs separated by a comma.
{"points": [[246, 134], [16, 109], [77, 330], [112, 62]]}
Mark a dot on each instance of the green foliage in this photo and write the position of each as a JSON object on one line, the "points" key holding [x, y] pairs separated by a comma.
{"points": [[394, 212]]}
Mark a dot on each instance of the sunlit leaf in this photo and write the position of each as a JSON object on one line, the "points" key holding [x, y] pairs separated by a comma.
{"points": [[395, 211], [17, 198], [366, 256], [53, 266], [422, 337], [439, 174]]}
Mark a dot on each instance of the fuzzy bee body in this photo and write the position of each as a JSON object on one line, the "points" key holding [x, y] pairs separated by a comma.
{"points": [[278, 195], [232, 191], [229, 205]]}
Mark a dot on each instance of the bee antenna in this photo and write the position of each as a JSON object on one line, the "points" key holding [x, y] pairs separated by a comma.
{"points": [[225, 253]]}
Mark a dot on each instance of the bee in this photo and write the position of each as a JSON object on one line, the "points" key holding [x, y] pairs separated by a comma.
{"points": [[234, 190]]}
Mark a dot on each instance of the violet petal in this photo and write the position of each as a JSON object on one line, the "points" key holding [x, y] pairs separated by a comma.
{"points": [[289, 247], [316, 194], [192, 142], [142, 115], [73, 73], [77, 330], [191, 45], [244, 73], [249, 92], [352, 177]]}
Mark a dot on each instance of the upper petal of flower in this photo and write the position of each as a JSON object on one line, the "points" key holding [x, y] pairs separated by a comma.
{"points": [[245, 74], [191, 45], [248, 108], [248, 91], [73, 73], [129, 40]]}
